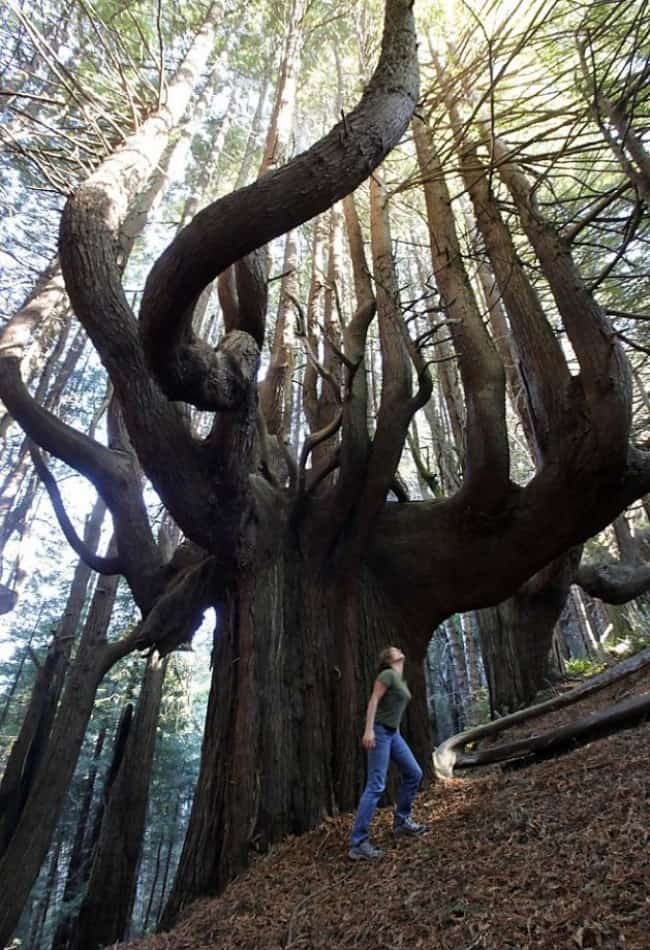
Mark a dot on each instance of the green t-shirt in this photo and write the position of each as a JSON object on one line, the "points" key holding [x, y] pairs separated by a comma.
{"points": [[394, 701]]}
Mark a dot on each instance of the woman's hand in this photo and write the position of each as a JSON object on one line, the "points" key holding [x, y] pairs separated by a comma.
{"points": [[368, 741]]}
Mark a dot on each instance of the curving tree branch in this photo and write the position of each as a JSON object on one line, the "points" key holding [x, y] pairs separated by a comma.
{"points": [[97, 462], [225, 231], [614, 583], [482, 372], [103, 565]]}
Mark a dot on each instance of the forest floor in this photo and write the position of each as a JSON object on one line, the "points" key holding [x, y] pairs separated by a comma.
{"points": [[551, 856]]}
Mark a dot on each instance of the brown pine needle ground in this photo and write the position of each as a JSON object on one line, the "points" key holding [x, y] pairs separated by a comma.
{"points": [[551, 856]]}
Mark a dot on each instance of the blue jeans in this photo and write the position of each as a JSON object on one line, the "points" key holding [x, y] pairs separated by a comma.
{"points": [[388, 745]]}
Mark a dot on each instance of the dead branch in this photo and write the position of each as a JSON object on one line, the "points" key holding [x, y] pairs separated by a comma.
{"points": [[555, 741], [449, 754], [301, 333]]}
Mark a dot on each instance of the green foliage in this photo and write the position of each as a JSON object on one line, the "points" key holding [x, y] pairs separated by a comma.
{"points": [[584, 667]]}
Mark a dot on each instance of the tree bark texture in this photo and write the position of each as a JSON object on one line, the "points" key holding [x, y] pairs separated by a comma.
{"points": [[282, 745], [517, 635], [309, 587]]}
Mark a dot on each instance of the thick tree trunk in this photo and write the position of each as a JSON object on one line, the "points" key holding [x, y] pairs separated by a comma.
{"points": [[293, 670], [106, 908], [517, 635]]}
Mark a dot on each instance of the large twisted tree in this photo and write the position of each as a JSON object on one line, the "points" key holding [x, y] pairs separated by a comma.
{"points": [[310, 565]]}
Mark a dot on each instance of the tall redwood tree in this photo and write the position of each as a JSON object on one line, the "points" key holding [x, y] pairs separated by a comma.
{"points": [[312, 567]]}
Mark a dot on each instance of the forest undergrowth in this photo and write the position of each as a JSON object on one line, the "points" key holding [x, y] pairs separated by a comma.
{"points": [[549, 856]]}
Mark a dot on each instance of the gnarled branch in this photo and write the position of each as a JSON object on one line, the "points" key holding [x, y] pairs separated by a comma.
{"points": [[614, 583], [103, 565], [226, 231]]}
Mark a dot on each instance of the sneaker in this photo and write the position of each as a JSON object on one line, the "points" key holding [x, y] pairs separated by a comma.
{"points": [[408, 827], [364, 852]]}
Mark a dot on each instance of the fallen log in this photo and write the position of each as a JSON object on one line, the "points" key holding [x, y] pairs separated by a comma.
{"points": [[553, 741], [449, 753]]}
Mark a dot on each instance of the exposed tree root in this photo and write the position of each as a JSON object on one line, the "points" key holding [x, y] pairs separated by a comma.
{"points": [[450, 753]]}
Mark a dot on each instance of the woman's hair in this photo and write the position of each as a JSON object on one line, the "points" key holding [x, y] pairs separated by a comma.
{"points": [[385, 658]]}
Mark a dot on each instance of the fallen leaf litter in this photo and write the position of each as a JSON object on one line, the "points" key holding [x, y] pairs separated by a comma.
{"points": [[553, 856]]}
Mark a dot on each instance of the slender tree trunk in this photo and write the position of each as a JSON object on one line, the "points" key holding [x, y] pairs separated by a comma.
{"points": [[472, 658], [30, 747], [275, 387], [78, 855], [276, 149], [276, 152], [19, 671], [255, 131], [171, 842], [153, 884], [39, 912], [24, 856], [585, 624], [106, 908], [455, 636]]}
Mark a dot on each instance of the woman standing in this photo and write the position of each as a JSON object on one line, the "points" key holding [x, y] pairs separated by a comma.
{"points": [[382, 739]]}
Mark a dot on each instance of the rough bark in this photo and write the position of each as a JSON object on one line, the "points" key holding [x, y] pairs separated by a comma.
{"points": [[482, 373], [603, 388], [295, 682], [517, 634], [276, 386], [282, 740], [539, 359]]}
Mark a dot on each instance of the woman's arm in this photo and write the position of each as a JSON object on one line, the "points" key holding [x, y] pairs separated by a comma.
{"points": [[378, 691]]}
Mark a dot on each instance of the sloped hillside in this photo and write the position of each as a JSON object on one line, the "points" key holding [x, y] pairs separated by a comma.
{"points": [[554, 855]]}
